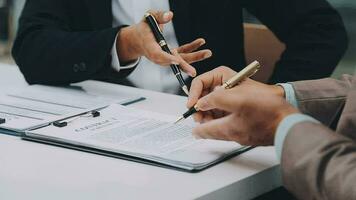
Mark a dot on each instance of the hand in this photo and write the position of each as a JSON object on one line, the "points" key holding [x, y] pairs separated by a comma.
{"points": [[254, 114], [208, 82], [138, 40]]}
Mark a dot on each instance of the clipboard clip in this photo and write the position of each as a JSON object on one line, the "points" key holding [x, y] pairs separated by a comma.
{"points": [[61, 124]]}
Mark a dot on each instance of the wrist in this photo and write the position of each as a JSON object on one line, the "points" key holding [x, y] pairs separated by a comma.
{"points": [[127, 45], [279, 91], [281, 114]]}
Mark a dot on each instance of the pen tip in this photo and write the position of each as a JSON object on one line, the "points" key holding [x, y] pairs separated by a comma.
{"points": [[178, 120], [185, 89]]}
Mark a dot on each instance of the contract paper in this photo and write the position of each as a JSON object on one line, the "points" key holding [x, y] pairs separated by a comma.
{"points": [[39, 105], [140, 134]]}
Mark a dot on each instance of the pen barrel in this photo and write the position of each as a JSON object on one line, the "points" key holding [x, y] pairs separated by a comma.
{"points": [[190, 112], [152, 23], [247, 72], [175, 68], [180, 79], [166, 49]]}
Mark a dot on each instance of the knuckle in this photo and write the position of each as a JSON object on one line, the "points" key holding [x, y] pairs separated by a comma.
{"points": [[149, 55], [222, 68], [215, 96], [155, 56], [159, 62], [195, 80]]}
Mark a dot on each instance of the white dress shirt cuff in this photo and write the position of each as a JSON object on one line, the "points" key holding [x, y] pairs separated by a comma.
{"points": [[290, 94], [284, 127], [115, 62]]}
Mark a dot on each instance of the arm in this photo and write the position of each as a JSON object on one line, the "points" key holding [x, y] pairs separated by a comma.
{"points": [[312, 31], [48, 52], [318, 163], [323, 99]]}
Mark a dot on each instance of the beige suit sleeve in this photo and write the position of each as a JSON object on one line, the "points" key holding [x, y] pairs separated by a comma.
{"points": [[318, 163], [323, 99]]}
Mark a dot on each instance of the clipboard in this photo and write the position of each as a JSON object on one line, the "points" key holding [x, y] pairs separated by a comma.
{"points": [[49, 135], [135, 159], [19, 132]]}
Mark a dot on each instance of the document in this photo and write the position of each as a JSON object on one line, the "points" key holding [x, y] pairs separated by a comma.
{"points": [[39, 105], [141, 134]]}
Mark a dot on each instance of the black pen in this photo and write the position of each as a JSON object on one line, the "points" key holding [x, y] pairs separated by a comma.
{"points": [[247, 72], [157, 32]]}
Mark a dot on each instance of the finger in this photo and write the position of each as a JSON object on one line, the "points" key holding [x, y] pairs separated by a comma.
{"points": [[218, 113], [227, 100], [154, 53], [196, 56], [200, 85], [195, 95], [164, 59], [198, 117], [207, 117], [216, 129], [204, 82], [162, 17], [202, 117], [188, 48], [187, 68], [195, 92]]}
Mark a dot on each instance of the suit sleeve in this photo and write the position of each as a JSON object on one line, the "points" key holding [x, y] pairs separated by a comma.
{"points": [[318, 163], [313, 32], [323, 99], [48, 51]]}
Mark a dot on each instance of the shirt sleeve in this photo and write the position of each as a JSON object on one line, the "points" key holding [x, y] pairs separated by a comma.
{"points": [[290, 94], [115, 62], [284, 127]]}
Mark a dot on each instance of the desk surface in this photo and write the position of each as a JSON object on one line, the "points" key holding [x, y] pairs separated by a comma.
{"points": [[35, 171]]}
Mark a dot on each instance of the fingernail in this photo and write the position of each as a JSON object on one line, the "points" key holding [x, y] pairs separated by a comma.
{"points": [[202, 42], [208, 55], [175, 63], [166, 16]]}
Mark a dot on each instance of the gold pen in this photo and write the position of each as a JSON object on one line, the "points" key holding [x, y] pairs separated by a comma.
{"points": [[247, 72]]}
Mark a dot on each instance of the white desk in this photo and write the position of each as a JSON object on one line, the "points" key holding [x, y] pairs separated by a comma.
{"points": [[35, 171]]}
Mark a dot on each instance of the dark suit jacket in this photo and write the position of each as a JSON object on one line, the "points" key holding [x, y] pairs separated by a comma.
{"points": [[65, 41], [319, 162]]}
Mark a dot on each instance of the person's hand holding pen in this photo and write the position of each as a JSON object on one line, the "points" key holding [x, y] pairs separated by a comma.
{"points": [[249, 113], [137, 40]]}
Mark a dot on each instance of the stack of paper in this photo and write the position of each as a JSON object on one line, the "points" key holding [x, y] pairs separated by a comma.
{"points": [[140, 135], [38, 105]]}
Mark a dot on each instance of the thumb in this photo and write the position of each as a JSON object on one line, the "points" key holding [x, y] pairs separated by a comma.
{"points": [[227, 100], [162, 17]]}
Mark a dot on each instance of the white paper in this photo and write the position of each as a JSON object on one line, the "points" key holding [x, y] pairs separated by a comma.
{"points": [[148, 134], [37, 105]]}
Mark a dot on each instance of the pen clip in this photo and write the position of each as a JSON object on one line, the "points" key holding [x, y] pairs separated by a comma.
{"points": [[155, 21]]}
